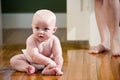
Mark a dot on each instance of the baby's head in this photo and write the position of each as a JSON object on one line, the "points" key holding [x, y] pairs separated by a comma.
{"points": [[44, 16], [44, 23]]}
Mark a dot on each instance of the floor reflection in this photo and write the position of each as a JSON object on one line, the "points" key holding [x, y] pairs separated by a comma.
{"points": [[78, 65], [108, 66]]}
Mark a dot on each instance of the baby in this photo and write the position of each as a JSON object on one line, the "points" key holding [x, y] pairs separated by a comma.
{"points": [[43, 49]]}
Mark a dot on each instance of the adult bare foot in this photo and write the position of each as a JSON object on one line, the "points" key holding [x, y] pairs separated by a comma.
{"points": [[115, 48], [98, 49], [116, 53]]}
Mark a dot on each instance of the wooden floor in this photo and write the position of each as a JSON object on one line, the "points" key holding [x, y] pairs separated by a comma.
{"points": [[78, 65]]}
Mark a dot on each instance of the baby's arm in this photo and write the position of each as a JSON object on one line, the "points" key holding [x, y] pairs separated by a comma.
{"points": [[41, 59], [57, 54], [57, 58], [35, 55]]}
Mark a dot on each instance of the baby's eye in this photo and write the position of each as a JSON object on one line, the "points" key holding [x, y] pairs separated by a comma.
{"points": [[37, 28], [46, 29]]}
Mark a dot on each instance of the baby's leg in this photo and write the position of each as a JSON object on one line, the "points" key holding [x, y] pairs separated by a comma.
{"points": [[20, 63], [98, 49]]}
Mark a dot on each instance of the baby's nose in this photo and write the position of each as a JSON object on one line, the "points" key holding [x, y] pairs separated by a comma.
{"points": [[41, 31]]}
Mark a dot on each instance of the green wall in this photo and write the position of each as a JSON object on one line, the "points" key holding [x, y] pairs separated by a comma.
{"points": [[30, 6]]}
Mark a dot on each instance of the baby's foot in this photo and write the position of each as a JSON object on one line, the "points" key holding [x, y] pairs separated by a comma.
{"points": [[98, 49], [49, 71], [30, 70], [58, 72]]}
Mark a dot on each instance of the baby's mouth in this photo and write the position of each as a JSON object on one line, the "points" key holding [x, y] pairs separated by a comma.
{"points": [[41, 36]]}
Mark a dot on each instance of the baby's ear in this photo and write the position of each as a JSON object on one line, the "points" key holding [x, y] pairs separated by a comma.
{"points": [[54, 29]]}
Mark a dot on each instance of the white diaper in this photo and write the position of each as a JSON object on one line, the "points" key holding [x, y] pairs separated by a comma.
{"points": [[38, 66], [27, 55]]}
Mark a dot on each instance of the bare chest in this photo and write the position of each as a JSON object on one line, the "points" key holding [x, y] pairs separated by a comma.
{"points": [[45, 48]]}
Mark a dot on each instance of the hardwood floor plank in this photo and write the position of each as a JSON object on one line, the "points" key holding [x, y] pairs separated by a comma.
{"points": [[93, 67], [86, 65], [115, 67], [104, 67], [75, 61], [1, 58]]}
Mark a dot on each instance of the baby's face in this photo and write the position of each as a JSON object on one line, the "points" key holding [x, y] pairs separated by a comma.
{"points": [[43, 29]]}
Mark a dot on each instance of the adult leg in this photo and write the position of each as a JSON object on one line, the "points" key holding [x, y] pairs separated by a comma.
{"points": [[102, 26], [119, 12], [20, 63], [111, 11]]}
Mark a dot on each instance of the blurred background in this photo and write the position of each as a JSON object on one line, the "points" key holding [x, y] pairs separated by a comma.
{"points": [[75, 20]]}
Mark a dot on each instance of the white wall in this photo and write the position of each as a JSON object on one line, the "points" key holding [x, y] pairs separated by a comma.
{"points": [[81, 21], [0, 26], [78, 19], [24, 20]]}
